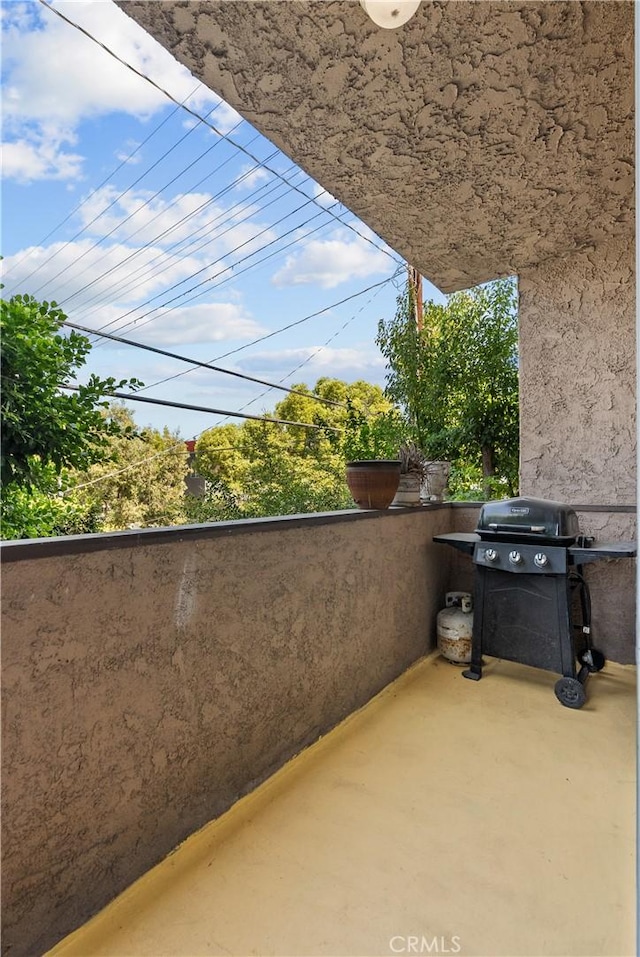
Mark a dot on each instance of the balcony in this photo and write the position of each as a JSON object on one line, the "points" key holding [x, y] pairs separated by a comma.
{"points": [[440, 818], [270, 677]]}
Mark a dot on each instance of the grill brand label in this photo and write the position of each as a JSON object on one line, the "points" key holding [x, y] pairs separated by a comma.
{"points": [[519, 510]]}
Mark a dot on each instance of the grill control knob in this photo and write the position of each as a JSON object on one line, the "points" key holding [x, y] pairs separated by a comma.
{"points": [[541, 560], [515, 558], [491, 555]]}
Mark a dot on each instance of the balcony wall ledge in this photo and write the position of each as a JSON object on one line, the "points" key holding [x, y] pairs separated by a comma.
{"points": [[28, 548], [23, 549]]}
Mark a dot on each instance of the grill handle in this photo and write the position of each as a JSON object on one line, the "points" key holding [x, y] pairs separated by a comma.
{"points": [[535, 529]]}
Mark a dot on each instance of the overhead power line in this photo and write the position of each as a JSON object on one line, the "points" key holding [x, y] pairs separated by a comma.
{"points": [[104, 182], [235, 273], [125, 282], [136, 212], [202, 119], [317, 351], [134, 397], [276, 332], [202, 365], [116, 199], [190, 244], [207, 266], [172, 448]]}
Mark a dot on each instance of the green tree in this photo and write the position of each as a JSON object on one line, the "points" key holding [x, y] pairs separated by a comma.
{"points": [[142, 480], [47, 432], [43, 509], [219, 454], [456, 381], [42, 425], [258, 469]]}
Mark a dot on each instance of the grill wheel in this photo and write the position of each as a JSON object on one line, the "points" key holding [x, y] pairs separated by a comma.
{"points": [[570, 692]]}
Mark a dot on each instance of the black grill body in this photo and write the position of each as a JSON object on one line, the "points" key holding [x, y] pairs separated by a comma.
{"points": [[527, 617], [532, 602], [528, 520]]}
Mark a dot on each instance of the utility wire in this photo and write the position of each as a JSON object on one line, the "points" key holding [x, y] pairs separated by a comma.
{"points": [[276, 332], [196, 362], [190, 244], [197, 116], [312, 315], [104, 182], [118, 198], [332, 338], [189, 240], [313, 354], [220, 259], [134, 397], [139, 275], [186, 242], [146, 225], [137, 325], [123, 193], [150, 317], [172, 448]]}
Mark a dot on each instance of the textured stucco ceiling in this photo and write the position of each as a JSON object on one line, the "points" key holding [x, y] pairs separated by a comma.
{"points": [[477, 140]]}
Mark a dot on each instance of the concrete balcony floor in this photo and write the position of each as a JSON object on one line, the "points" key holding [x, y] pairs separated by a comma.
{"points": [[444, 817]]}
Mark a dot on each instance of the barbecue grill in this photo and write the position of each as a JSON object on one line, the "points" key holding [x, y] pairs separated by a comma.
{"points": [[532, 601]]}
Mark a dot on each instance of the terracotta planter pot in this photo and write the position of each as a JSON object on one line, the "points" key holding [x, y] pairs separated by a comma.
{"points": [[373, 482]]}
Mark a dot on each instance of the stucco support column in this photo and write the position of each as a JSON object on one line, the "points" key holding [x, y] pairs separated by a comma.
{"points": [[637, 304], [578, 371]]}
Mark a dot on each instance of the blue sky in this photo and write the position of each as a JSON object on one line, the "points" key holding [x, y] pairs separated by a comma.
{"points": [[139, 219]]}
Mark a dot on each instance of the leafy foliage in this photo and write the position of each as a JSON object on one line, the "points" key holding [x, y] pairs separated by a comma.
{"points": [[375, 436], [139, 483], [142, 480], [41, 510], [456, 381], [42, 426], [258, 469], [48, 434]]}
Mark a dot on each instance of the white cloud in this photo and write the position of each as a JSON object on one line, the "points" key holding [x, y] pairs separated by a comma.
{"points": [[54, 77], [332, 261], [250, 176], [163, 242], [180, 326], [141, 216], [346, 363], [37, 156], [95, 297], [56, 73], [79, 273]]}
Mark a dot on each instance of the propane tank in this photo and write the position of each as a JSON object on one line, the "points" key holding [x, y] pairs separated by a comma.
{"points": [[455, 627]]}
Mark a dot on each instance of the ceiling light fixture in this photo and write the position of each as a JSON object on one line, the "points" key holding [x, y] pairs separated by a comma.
{"points": [[390, 13]]}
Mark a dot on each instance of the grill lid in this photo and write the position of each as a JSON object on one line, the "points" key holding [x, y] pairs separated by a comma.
{"points": [[528, 519]]}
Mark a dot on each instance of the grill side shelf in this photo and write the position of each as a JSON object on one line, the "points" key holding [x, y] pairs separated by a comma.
{"points": [[463, 541], [582, 556]]}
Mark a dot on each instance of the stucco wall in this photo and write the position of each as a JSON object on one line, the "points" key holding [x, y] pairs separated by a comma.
{"points": [[612, 585], [150, 679], [577, 377], [477, 139]]}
